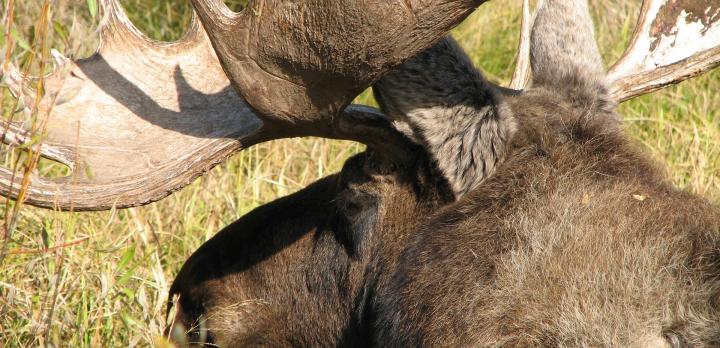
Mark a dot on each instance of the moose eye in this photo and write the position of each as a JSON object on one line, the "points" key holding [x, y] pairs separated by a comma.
{"points": [[357, 207], [353, 203], [352, 208], [357, 212]]}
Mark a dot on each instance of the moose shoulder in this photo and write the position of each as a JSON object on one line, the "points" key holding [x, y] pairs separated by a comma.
{"points": [[576, 239]]}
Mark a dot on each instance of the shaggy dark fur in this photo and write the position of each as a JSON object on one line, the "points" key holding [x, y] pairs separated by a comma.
{"points": [[575, 239], [303, 270]]}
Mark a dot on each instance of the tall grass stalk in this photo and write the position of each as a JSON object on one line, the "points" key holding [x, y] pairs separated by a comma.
{"points": [[41, 48]]}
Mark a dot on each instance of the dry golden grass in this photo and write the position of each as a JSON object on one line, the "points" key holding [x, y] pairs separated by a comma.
{"points": [[109, 288]]}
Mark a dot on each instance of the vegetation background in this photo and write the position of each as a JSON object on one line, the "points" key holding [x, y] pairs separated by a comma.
{"points": [[101, 279]]}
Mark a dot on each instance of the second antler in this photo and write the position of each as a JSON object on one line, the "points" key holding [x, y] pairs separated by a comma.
{"points": [[673, 40]]}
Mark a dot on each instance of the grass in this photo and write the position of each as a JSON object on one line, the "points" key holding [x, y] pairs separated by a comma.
{"points": [[104, 277]]}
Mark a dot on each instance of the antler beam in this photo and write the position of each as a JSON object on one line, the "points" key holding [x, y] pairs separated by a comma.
{"points": [[141, 119], [300, 61]]}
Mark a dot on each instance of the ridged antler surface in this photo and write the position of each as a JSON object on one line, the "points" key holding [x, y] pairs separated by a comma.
{"points": [[140, 118]]}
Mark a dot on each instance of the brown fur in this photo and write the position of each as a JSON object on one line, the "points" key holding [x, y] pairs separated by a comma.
{"points": [[301, 271], [575, 239]]}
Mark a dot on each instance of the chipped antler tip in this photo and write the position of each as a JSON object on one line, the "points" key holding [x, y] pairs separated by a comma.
{"points": [[115, 23], [673, 41]]}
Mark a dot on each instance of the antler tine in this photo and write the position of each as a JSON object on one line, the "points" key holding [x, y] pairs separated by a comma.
{"points": [[10, 132], [116, 27], [117, 31], [13, 79], [16, 136], [195, 32], [674, 40], [521, 76]]}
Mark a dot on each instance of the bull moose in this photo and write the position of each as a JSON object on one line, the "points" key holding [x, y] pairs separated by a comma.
{"points": [[496, 219], [478, 215]]}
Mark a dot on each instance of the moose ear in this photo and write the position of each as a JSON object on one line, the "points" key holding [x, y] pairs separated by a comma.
{"points": [[442, 102], [564, 54]]}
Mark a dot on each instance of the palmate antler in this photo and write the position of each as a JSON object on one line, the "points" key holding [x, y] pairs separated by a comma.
{"points": [[141, 119]]}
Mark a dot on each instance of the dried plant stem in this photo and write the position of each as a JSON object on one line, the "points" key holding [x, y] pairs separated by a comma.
{"points": [[38, 127], [50, 249], [9, 44]]}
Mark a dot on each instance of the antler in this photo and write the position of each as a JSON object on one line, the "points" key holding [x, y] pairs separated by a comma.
{"points": [[307, 59], [674, 40], [521, 76], [136, 121], [140, 118]]}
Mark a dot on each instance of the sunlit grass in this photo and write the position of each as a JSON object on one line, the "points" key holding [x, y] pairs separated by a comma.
{"points": [[110, 271]]}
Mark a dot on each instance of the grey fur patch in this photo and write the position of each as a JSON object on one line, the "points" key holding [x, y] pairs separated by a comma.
{"points": [[440, 100]]}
